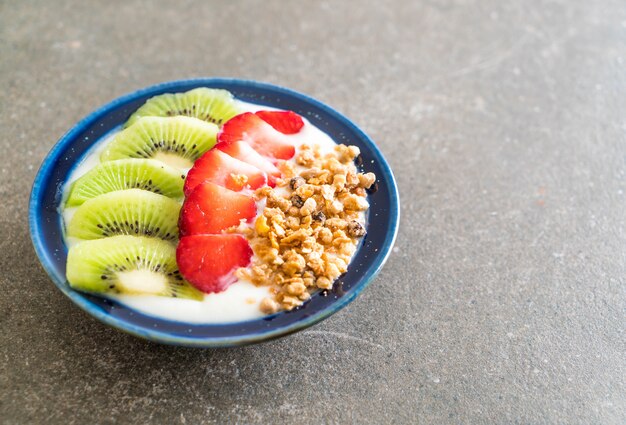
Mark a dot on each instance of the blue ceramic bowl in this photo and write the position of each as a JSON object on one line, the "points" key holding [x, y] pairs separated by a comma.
{"points": [[47, 235]]}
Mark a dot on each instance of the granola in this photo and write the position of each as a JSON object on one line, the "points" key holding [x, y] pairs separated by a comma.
{"points": [[309, 227]]}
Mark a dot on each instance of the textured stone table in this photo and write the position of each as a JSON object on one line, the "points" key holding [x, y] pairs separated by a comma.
{"points": [[504, 299]]}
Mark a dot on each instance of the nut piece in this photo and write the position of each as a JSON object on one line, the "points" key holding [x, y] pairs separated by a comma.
{"points": [[335, 207], [290, 302], [293, 222], [296, 182], [262, 192], [268, 306], [355, 229], [332, 270], [297, 201], [306, 158], [353, 151], [325, 236], [277, 201], [324, 283], [296, 287], [328, 192], [339, 181], [352, 179], [295, 264], [359, 191], [319, 216], [239, 179], [286, 169], [347, 153], [308, 207], [260, 225], [311, 173], [366, 180], [340, 237], [295, 238], [305, 191], [356, 203], [336, 223]]}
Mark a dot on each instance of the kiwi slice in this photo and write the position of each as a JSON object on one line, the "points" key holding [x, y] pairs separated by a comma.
{"points": [[212, 105], [128, 265], [177, 141], [126, 212], [147, 174]]}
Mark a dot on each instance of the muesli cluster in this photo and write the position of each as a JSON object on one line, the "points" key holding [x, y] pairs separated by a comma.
{"points": [[310, 225]]}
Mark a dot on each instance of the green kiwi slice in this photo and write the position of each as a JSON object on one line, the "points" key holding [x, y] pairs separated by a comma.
{"points": [[126, 212], [177, 141], [147, 174], [128, 265], [212, 105]]}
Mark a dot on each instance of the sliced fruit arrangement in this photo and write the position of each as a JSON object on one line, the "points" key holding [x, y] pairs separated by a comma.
{"points": [[222, 169], [128, 205], [248, 143], [263, 137], [146, 174], [208, 261], [126, 212], [210, 209], [127, 265], [212, 105], [128, 208], [177, 141], [207, 257]]}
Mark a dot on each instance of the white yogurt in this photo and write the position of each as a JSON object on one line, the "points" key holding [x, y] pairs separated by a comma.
{"points": [[241, 300], [91, 158], [237, 303]]}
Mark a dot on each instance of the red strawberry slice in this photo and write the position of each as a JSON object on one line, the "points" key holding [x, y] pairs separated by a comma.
{"points": [[287, 122], [249, 128], [224, 170], [208, 262], [210, 208], [244, 152]]}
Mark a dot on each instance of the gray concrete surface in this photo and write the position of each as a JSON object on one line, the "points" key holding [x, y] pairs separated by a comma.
{"points": [[505, 296]]}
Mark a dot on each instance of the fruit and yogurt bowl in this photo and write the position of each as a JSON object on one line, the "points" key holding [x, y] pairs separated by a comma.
{"points": [[272, 210], [200, 210]]}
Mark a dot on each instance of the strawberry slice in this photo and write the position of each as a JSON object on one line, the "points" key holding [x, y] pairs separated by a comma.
{"points": [[208, 262], [266, 140], [244, 152], [287, 122], [224, 170], [210, 208]]}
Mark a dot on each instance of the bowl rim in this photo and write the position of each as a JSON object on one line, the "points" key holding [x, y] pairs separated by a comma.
{"points": [[48, 165]]}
